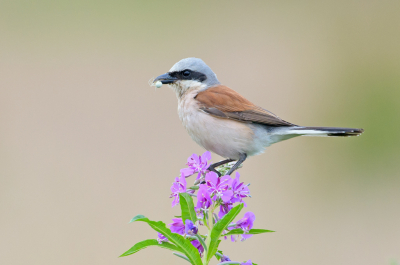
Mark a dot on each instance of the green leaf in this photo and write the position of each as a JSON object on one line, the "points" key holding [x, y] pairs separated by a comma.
{"points": [[219, 227], [137, 217], [251, 232], [201, 240], [213, 249], [181, 256], [187, 208], [218, 254], [147, 243], [183, 244]]}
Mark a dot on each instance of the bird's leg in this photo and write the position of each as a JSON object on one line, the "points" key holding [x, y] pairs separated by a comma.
{"points": [[220, 163], [242, 157]]}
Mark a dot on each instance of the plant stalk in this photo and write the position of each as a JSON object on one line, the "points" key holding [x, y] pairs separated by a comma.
{"points": [[210, 227]]}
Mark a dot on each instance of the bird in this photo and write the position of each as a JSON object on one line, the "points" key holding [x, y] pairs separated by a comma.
{"points": [[224, 122]]}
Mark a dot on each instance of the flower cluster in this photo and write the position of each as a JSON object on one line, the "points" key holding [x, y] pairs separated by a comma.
{"points": [[223, 191], [211, 204], [213, 192]]}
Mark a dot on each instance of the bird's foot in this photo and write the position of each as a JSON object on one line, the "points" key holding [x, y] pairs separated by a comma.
{"points": [[214, 170], [220, 163], [242, 158]]}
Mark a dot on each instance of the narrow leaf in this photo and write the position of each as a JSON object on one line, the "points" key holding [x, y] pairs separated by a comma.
{"points": [[181, 256], [183, 244], [187, 208], [137, 217], [219, 227], [213, 248], [251, 232], [219, 254], [201, 240], [147, 243], [191, 238]]}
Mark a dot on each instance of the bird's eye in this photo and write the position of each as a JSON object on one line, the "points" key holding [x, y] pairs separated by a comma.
{"points": [[186, 73]]}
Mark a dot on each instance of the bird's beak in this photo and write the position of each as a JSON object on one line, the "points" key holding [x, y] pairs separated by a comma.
{"points": [[165, 79]]}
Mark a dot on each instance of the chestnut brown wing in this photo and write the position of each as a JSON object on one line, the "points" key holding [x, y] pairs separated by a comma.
{"points": [[223, 102]]}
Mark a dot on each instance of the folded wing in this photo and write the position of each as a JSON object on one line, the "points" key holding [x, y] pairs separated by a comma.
{"points": [[223, 102]]}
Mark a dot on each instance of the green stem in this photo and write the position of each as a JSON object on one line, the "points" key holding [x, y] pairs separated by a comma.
{"points": [[205, 215], [210, 227]]}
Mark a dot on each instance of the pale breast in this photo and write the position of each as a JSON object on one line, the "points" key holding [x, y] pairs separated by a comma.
{"points": [[224, 137]]}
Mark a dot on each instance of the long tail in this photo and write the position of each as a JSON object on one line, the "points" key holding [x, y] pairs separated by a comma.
{"points": [[327, 131]]}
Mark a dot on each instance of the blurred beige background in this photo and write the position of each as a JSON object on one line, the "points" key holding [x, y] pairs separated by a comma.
{"points": [[86, 144]]}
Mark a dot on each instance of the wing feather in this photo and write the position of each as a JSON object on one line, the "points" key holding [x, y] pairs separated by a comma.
{"points": [[223, 102]]}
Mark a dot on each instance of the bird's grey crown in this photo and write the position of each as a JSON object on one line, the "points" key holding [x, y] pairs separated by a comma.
{"points": [[197, 65]]}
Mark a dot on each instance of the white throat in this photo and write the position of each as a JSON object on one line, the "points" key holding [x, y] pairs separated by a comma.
{"points": [[182, 86]]}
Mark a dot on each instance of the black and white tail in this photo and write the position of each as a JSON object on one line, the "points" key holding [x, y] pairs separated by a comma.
{"points": [[327, 131]]}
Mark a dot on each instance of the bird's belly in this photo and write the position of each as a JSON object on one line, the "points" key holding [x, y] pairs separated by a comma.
{"points": [[224, 137]]}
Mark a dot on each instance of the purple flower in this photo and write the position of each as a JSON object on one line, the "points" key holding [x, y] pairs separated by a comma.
{"points": [[161, 238], [240, 190], [177, 226], [246, 223], [247, 263], [198, 245], [197, 164], [224, 209], [190, 228], [225, 258], [203, 198], [179, 186], [233, 237], [219, 187]]}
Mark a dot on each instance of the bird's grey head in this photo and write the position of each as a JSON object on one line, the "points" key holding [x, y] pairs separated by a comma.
{"points": [[189, 73]]}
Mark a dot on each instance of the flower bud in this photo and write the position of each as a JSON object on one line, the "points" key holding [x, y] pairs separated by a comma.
{"points": [[161, 238], [225, 258]]}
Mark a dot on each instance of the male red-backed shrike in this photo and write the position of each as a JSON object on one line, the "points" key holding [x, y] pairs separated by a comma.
{"points": [[224, 122]]}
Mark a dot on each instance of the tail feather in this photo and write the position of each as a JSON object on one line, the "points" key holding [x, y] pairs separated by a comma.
{"points": [[330, 131]]}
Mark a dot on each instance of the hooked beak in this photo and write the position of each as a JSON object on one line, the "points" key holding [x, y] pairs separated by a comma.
{"points": [[165, 79]]}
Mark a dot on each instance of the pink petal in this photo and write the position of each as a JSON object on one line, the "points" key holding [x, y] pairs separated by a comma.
{"points": [[226, 196], [206, 156], [192, 159], [182, 181], [187, 171], [212, 177], [225, 180]]}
